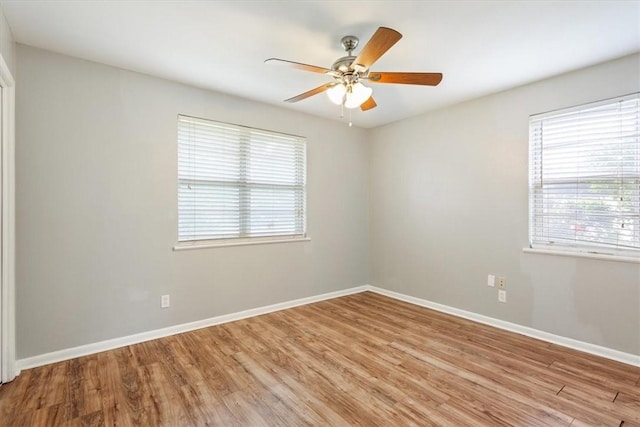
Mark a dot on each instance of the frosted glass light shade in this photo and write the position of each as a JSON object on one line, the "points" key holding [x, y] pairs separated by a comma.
{"points": [[336, 93], [359, 93]]}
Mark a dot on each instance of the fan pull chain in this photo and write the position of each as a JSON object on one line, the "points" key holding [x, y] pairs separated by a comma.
{"points": [[342, 114]]}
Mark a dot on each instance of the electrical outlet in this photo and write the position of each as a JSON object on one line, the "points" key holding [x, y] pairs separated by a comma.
{"points": [[164, 301], [502, 282], [502, 296], [491, 280]]}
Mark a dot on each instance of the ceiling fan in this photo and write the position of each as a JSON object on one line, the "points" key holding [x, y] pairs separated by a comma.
{"points": [[348, 72]]}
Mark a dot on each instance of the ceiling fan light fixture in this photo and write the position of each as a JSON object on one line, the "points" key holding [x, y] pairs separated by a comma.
{"points": [[346, 90], [336, 93], [358, 94]]}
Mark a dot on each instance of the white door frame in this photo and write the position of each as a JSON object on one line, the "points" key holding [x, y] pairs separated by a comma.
{"points": [[7, 218]]}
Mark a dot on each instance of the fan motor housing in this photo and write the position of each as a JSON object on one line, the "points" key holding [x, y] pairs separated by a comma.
{"points": [[343, 63]]}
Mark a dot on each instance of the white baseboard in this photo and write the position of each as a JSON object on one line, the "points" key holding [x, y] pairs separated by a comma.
{"points": [[84, 350], [628, 358]]}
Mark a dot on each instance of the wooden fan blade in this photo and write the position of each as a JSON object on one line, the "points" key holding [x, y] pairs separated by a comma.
{"points": [[368, 104], [300, 66], [309, 93], [427, 79], [380, 42]]}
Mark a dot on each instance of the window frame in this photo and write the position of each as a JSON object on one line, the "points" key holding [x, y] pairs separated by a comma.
{"points": [[597, 251], [244, 187]]}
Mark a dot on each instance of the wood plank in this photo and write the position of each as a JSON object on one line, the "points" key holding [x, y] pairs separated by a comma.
{"points": [[628, 406]]}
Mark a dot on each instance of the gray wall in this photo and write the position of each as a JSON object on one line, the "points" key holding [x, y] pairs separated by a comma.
{"points": [[7, 44], [449, 197], [97, 214]]}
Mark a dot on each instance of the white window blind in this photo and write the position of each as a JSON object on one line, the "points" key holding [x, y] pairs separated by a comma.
{"points": [[585, 178], [238, 182]]}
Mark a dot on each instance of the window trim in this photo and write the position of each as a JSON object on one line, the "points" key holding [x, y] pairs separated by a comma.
{"points": [[240, 241], [588, 255], [584, 251], [581, 106]]}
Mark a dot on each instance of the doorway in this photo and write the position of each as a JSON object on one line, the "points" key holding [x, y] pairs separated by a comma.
{"points": [[8, 369]]}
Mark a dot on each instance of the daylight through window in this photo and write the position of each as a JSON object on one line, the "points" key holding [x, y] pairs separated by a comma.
{"points": [[238, 182], [585, 178]]}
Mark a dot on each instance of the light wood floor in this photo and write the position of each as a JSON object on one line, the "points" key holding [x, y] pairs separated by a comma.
{"points": [[358, 360]]}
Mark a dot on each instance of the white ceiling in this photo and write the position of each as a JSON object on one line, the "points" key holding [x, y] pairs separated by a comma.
{"points": [[480, 46]]}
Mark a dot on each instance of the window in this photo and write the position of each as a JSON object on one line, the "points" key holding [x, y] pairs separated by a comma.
{"points": [[238, 182], [584, 182]]}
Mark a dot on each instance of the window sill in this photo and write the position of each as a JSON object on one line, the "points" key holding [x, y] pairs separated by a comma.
{"points": [[186, 246], [604, 257]]}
